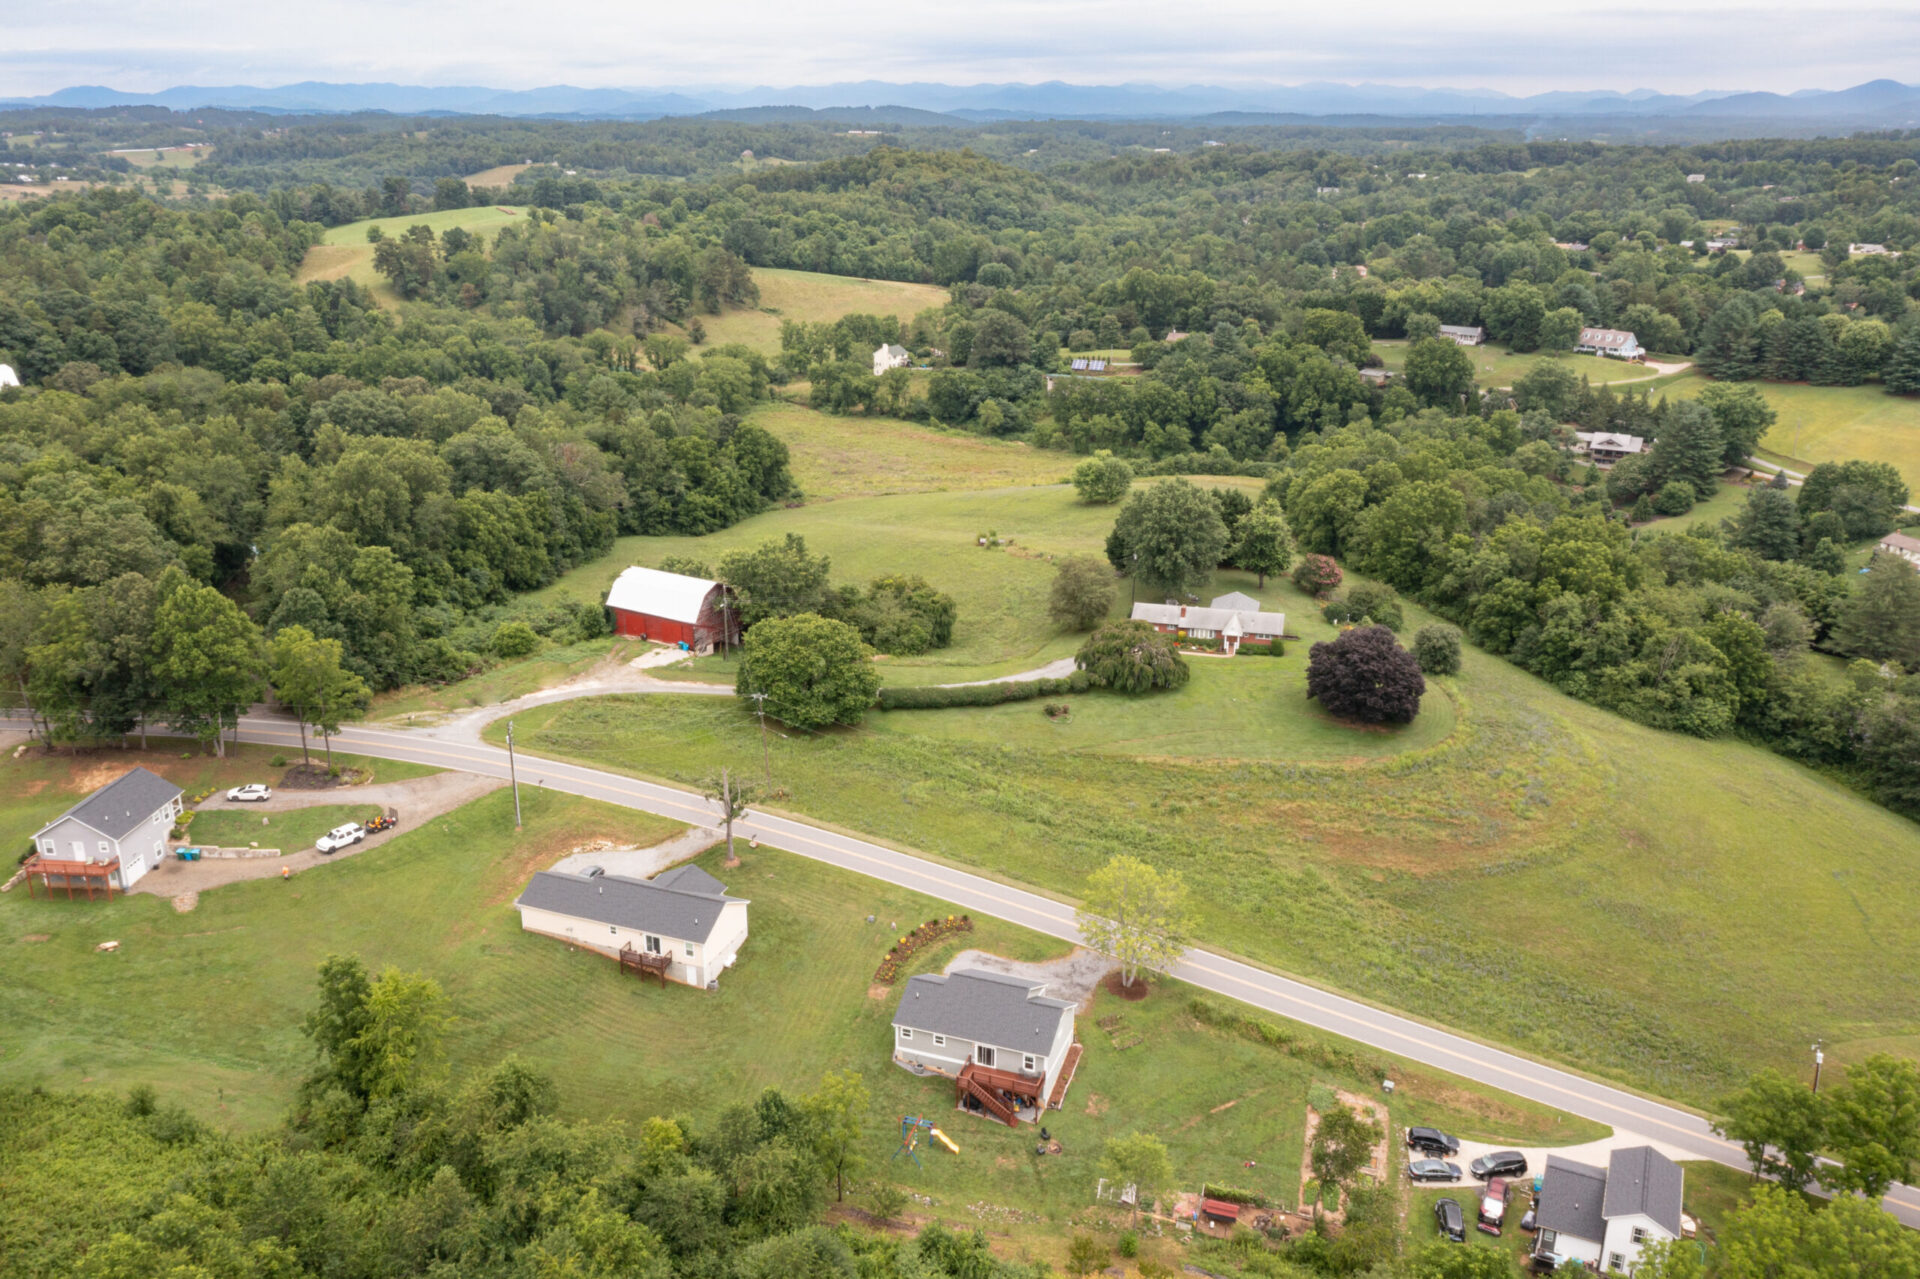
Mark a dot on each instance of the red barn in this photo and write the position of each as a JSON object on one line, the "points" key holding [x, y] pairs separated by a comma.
{"points": [[672, 609]]}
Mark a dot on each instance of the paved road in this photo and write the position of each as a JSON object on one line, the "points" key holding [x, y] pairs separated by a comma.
{"points": [[1674, 1129]]}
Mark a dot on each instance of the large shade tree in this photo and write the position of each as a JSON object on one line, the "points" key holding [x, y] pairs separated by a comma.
{"points": [[1170, 537], [1135, 914]]}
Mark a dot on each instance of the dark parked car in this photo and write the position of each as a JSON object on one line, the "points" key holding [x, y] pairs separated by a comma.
{"points": [[1433, 1170], [1452, 1222], [1431, 1141], [1501, 1163]]}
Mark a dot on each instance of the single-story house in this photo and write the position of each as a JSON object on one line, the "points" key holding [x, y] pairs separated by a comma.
{"points": [[1604, 1217], [1871, 250], [109, 839], [1464, 334], [673, 609], [1234, 620], [1696, 177], [1608, 446], [1907, 548], [1376, 377], [681, 920], [890, 356], [1721, 243], [1008, 1047], [1615, 342]]}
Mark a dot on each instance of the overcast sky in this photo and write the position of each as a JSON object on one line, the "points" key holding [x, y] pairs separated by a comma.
{"points": [[1519, 46]]}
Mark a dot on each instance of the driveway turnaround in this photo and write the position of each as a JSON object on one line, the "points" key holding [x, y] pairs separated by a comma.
{"points": [[1679, 1131]]}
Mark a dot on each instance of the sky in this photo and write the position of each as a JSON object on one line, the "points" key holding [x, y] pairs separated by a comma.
{"points": [[1515, 46]]}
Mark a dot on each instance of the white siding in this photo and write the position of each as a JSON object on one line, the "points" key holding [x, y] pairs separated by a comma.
{"points": [[1620, 1238], [608, 939]]}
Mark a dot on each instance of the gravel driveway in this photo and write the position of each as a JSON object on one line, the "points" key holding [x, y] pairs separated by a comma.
{"points": [[1073, 976]]}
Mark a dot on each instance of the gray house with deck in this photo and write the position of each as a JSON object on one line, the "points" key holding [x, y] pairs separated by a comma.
{"points": [[111, 838], [1008, 1047]]}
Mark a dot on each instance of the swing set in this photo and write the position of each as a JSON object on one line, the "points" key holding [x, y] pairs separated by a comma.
{"points": [[911, 1127]]}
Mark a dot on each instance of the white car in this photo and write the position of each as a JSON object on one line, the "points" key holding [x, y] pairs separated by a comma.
{"points": [[341, 836], [251, 793]]}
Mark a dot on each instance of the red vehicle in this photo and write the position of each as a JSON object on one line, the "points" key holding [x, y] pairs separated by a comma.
{"points": [[1493, 1205]]}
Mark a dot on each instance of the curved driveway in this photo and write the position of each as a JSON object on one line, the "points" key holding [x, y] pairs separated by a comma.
{"points": [[1680, 1132]]}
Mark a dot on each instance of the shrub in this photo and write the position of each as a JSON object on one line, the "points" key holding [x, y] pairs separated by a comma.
{"points": [[814, 670], [514, 639], [899, 615], [936, 698], [889, 1201], [1129, 1244], [1676, 497], [1102, 478], [1316, 574], [1368, 601], [1132, 657], [278, 761], [1082, 593], [1365, 675], [1437, 649], [686, 566]]}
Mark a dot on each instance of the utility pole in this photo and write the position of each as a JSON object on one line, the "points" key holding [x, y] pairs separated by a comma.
{"points": [[514, 775], [766, 760], [1819, 1059]]}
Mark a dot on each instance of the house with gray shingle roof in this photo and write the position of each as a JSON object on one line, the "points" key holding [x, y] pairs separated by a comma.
{"points": [[1605, 1217], [971, 1017], [122, 827], [682, 916], [1234, 620]]}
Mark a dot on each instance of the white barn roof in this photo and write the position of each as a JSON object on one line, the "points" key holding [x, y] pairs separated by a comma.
{"points": [[672, 596]]}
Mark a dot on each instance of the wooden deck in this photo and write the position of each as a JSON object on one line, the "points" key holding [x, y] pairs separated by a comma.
{"points": [[641, 963], [89, 873], [1002, 1093]]}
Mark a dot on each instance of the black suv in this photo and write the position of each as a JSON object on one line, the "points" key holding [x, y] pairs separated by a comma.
{"points": [[1501, 1163], [1431, 1141], [1452, 1222]]}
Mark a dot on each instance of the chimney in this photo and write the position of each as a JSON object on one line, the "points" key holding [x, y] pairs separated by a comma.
{"points": [[1183, 612]]}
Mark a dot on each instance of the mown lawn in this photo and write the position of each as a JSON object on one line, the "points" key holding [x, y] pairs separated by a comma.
{"points": [[1830, 424], [1495, 365], [504, 682], [290, 831], [206, 1007], [837, 457], [816, 297]]}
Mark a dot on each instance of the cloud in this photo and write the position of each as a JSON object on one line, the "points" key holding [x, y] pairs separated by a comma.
{"points": [[1513, 45]]}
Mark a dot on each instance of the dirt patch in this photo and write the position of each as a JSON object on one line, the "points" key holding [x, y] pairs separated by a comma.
{"points": [[186, 901], [1225, 1105], [38, 937], [879, 990], [1096, 1104], [33, 788], [1376, 1168], [316, 777], [1075, 975], [89, 777], [1132, 994]]}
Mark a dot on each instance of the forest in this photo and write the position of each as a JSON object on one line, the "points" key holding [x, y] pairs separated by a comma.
{"points": [[393, 478]]}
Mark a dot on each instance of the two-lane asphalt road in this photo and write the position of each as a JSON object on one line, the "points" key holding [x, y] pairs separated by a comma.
{"points": [[1680, 1132]]}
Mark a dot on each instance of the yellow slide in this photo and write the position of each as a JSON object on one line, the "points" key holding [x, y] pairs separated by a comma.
{"points": [[943, 1140]]}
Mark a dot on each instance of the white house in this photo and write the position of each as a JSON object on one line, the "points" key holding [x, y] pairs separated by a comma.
{"points": [[1605, 1217], [1608, 446], [109, 839], [890, 356], [1463, 334], [1907, 548], [681, 922], [1871, 250], [1234, 620], [1008, 1048], [1615, 342], [1696, 177], [8, 377]]}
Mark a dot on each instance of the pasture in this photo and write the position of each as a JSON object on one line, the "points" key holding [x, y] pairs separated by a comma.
{"points": [[500, 175], [1830, 424], [166, 158], [815, 297], [206, 1006], [836, 457], [1530, 870], [344, 253]]}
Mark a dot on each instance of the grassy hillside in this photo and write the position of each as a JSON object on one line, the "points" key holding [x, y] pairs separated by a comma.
{"points": [[813, 296], [1831, 424], [1537, 870], [344, 253], [868, 456]]}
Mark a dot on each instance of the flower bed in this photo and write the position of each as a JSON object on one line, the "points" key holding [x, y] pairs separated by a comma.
{"points": [[928, 934]]}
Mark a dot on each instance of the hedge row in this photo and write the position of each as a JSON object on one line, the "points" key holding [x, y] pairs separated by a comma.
{"points": [[936, 698], [1235, 1195]]}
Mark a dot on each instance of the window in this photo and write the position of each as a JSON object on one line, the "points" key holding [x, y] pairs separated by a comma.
{"points": [[103, 848], [1616, 1262], [1026, 1063], [906, 1032], [614, 929], [1639, 1234], [983, 1055], [689, 950], [939, 1041], [653, 944]]}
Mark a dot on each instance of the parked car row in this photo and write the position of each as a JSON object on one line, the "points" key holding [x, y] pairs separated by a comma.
{"points": [[1497, 1170]]}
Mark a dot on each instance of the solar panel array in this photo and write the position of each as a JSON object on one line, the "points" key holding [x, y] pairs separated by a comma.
{"points": [[1096, 366], [1079, 366]]}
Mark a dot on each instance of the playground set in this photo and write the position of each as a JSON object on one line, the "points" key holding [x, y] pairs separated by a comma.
{"points": [[910, 1128]]}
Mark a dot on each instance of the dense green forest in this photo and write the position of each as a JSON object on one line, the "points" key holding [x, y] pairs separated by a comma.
{"points": [[391, 479]]}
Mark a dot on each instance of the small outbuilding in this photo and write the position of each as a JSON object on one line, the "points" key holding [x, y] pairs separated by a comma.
{"points": [[1900, 544], [672, 608], [109, 839]]}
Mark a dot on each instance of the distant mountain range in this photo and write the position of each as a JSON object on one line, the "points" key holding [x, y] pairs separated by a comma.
{"points": [[1878, 104]]}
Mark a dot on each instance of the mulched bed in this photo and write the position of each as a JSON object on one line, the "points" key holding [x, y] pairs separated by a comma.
{"points": [[314, 777], [1134, 993]]}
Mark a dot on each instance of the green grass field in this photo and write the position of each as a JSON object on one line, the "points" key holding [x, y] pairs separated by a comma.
{"points": [[166, 159], [289, 831], [1526, 871], [206, 1005], [1494, 365], [813, 296], [343, 252], [1830, 424], [869, 456], [504, 682]]}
